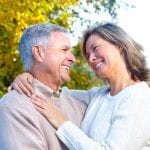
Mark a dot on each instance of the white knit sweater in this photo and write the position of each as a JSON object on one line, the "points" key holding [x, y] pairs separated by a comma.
{"points": [[120, 122]]}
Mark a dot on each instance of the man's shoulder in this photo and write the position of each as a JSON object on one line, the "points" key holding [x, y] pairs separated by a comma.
{"points": [[18, 105], [13, 98]]}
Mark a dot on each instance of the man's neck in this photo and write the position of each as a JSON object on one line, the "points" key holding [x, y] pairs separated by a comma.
{"points": [[51, 83]]}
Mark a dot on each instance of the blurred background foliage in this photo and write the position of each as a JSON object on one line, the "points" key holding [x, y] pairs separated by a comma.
{"points": [[16, 15]]}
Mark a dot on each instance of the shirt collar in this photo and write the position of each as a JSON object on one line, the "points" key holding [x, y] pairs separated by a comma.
{"points": [[45, 90]]}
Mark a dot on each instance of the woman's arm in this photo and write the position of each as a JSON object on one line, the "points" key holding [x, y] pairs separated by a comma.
{"points": [[23, 84], [84, 96], [53, 114], [128, 130], [67, 132]]}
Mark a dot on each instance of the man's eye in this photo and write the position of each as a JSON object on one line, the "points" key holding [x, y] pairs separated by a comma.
{"points": [[64, 49], [94, 48]]}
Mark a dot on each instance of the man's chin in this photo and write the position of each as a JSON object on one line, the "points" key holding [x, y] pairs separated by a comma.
{"points": [[64, 80]]}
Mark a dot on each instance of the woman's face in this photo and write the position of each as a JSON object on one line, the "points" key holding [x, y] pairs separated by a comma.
{"points": [[104, 57]]}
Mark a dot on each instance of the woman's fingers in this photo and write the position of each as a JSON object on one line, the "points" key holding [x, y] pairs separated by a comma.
{"points": [[21, 87], [23, 84], [54, 115], [41, 110], [29, 77], [10, 88], [40, 97], [42, 103], [16, 87]]}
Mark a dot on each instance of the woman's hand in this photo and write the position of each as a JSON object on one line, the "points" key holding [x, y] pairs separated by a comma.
{"points": [[22, 84], [53, 114]]}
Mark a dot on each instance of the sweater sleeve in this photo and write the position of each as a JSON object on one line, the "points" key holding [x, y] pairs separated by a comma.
{"points": [[84, 96], [129, 129], [75, 139], [18, 130]]}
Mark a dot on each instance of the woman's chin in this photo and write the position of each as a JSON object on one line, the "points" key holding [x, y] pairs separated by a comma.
{"points": [[101, 75]]}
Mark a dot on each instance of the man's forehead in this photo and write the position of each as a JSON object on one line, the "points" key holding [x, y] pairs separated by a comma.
{"points": [[59, 35], [60, 38]]}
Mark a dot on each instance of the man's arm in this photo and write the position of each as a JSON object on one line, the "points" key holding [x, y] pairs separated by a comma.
{"points": [[19, 131]]}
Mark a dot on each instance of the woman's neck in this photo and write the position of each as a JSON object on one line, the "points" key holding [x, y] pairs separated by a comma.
{"points": [[120, 85], [120, 81]]}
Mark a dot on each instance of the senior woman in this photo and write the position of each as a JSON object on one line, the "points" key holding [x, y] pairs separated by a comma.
{"points": [[118, 114]]}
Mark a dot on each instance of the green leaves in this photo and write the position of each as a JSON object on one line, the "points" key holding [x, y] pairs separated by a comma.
{"points": [[16, 15]]}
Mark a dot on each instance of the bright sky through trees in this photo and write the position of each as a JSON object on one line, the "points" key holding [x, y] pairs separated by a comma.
{"points": [[136, 22]]}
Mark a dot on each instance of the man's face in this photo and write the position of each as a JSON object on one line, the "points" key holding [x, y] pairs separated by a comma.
{"points": [[58, 58]]}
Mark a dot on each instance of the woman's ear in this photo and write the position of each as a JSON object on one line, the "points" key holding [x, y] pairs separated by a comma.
{"points": [[38, 53]]}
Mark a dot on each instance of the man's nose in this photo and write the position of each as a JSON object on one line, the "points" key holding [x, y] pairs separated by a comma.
{"points": [[72, 58]]}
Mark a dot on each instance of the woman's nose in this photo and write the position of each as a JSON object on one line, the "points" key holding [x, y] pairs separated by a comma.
{"points": [[92, 58]]}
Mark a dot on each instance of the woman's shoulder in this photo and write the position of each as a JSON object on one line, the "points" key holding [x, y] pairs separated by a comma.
{"points": [[140, 88], [137, 94]]}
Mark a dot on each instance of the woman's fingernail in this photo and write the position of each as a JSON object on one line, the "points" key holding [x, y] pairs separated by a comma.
{"points": [[29, 94]]}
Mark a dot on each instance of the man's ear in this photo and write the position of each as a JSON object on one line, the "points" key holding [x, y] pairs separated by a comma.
{"points": [[38, 53]]}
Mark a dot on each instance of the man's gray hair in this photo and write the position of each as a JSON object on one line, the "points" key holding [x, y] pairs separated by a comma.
{"points": [[38, 34]]}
